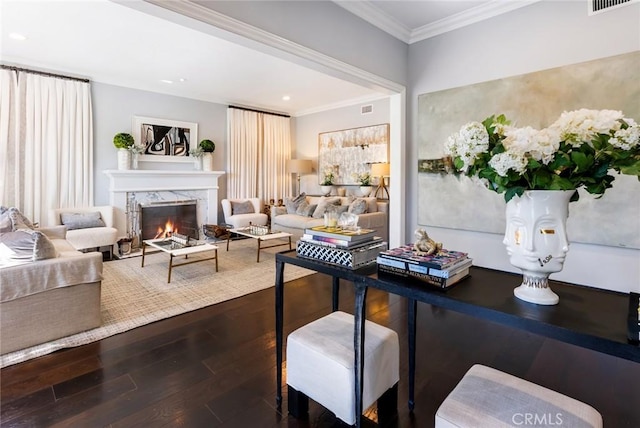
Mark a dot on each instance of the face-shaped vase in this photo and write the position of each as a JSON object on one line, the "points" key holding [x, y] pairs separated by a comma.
{"points": [[535, 235]]}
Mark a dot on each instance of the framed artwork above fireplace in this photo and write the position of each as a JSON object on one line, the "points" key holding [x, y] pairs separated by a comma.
{"points": [[164, 139]]}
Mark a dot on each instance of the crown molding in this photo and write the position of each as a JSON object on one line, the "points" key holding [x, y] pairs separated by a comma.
{"points": [[468, 17], [375, 16]]}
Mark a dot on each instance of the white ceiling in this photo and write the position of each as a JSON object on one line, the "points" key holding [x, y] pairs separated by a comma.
{"points": [[114, 43]]}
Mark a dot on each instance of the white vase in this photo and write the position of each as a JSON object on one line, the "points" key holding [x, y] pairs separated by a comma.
{"points": [[365, 191], [124, 159], [207, 162], [326, 190], [197, 163], [134, 160], [536, 241]]}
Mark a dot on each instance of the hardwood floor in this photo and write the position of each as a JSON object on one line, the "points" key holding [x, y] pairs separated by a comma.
{"points": [[215, 367]]}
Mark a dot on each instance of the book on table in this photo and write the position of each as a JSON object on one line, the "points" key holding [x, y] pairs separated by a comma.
{"points": [[409, 266], [389, 271], [443, 260], [349, 258], [337, 243], [356, 235]]}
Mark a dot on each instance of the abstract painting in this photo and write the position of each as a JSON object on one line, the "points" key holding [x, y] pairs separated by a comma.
{"points": [[534, 99], [161, 137], [350, 152]]}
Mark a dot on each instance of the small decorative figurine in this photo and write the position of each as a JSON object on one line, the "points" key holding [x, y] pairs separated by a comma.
{"points": [[424, 245]]}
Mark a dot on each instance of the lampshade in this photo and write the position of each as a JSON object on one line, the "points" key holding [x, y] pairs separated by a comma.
{"points": [[299, 166], [380, 170]]}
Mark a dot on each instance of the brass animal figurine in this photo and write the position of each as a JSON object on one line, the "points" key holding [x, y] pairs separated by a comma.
{"points": [[424, 245]]}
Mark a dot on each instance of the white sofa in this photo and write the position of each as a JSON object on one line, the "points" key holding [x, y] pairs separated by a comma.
{"points": [[84, 232], [243, 219], [376, 216], [48, 298]]}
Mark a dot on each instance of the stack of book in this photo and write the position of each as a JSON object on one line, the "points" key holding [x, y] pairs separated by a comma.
{"points": [[442, 269], [351, 249]]}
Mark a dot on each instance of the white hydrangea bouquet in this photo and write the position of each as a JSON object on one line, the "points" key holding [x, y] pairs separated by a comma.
{"points": [[577, 150]]}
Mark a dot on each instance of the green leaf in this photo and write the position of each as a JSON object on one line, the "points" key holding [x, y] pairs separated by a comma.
{"points": [[582, 161]]}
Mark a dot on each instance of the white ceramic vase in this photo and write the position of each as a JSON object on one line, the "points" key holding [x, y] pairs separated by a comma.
{"points": [[536, 241], [326, 190], [124, 159], [365, 190], [207, 162], [197, 163]]}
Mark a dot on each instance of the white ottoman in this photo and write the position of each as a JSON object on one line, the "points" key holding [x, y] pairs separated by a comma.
{"points": [[320, 366], [486, 397]]}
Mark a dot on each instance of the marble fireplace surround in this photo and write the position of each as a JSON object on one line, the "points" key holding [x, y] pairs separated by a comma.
{"points": [[129, 187]]}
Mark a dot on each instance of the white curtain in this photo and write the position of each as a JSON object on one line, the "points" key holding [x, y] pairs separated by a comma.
{"points": [[49, 146], [259, 146]]}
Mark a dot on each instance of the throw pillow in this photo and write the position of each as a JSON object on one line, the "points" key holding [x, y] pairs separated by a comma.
{"points": [[18, 220], [5, 221], [372, 204], [303, 209], [82, 220], [342, 209], [323, 204], [292, 204], [28, 244], [359, 206], [245, 207]]}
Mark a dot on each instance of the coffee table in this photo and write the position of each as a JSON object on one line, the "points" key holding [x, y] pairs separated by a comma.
{"points": [[246, 231], [175, 249]]}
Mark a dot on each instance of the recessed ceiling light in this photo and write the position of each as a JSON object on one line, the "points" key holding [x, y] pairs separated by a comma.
{"points": [[17, 36], [182, 79], [286, 98], [166, 81]]}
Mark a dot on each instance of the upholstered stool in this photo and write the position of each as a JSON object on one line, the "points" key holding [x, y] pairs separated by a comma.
{"points": [[320, 366], [486, 397]]}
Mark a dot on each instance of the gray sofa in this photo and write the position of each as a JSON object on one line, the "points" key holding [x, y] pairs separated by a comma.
{"points": [[51, 298], [376, 216]]}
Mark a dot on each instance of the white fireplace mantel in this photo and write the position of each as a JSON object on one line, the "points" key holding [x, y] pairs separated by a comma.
{"points": [[122, 182]]}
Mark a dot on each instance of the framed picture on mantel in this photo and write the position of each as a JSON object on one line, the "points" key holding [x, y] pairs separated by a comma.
{"points": [[162, 137]]}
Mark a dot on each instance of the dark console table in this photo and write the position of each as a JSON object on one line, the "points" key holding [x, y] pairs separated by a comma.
{"points": [[588, 317]]}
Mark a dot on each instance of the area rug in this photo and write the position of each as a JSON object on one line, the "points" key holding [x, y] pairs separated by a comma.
{"points": [[133, 296]]}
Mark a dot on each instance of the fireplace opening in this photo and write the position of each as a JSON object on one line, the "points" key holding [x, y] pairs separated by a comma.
{"points": [[162, 219]]}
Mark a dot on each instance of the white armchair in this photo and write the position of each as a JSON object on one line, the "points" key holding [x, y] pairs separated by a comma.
{"points": [[88, 227], [243, 212]]}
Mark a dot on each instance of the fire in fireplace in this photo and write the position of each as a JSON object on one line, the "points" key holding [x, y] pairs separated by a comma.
{"points": [[162, 219]]}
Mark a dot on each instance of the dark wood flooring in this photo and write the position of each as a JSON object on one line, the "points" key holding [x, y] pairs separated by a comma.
{"points": [[215, 367]]}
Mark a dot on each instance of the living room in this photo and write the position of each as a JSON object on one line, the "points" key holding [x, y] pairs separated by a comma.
{"points": [[539, 36]]}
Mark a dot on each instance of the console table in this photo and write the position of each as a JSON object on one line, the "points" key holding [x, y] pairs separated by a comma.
{"points": [[588, 317]]}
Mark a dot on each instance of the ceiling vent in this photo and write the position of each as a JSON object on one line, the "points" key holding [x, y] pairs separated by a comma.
{"points": [[597, 6], [366, 109]]}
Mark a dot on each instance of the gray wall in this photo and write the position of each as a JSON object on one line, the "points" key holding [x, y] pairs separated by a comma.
{"points": [[327, 28], [113, 111], [537, 37]]}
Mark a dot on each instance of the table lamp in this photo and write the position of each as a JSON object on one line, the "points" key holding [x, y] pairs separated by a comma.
{"points": [[299, 166], [380, 170]]}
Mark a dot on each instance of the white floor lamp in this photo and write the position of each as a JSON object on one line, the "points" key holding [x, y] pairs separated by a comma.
{"points": [[380, 170], [299, 167]]}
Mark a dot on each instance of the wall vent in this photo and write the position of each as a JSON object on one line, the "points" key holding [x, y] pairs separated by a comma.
{"points": [[598, 6], [366, 109]]}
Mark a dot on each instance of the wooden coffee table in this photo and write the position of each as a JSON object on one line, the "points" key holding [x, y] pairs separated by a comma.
{"points": [[246, 231], [175, 249]]}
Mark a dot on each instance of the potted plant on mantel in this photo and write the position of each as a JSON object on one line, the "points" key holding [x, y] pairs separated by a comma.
{"points": [[123, 143], [207, 147]]}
